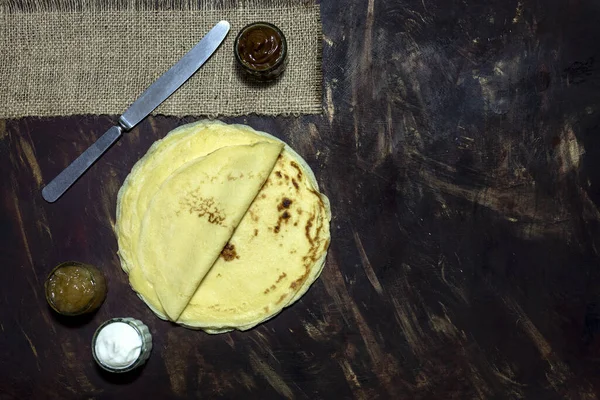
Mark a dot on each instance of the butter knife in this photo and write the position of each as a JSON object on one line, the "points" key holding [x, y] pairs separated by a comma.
{"points": [[156, 93]]}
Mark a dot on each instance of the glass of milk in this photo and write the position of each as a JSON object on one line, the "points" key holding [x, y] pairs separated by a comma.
{"points": [[121, 344]]}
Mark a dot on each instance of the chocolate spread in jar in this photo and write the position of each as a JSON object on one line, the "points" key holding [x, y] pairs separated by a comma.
{"points": [[260, 47], [261, 50]]}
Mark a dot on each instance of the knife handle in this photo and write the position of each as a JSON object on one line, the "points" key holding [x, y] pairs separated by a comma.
{"points": [[63, 181]]}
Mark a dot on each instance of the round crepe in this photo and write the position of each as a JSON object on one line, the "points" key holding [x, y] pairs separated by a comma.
{"points": [[275, 253]]}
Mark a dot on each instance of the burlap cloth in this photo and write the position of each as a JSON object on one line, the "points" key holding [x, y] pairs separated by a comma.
{"points": [[62, 57]]}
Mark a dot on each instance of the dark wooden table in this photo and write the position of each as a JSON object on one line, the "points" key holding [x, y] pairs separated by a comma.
{"points": [[458, 147]]}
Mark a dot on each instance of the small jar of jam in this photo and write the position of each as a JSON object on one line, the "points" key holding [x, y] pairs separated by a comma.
{"points": [[74, 288], [261, 50]]}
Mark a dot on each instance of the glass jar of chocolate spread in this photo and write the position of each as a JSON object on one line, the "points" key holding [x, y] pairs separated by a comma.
{"points": [[75, 288], [261, 50]]}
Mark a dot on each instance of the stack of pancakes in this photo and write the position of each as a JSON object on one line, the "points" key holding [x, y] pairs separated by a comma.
{"points": [[220, 227]]}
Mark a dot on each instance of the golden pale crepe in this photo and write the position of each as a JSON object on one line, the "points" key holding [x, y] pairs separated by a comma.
{"points": [[275, 253], [194, 214], [179, 147]]}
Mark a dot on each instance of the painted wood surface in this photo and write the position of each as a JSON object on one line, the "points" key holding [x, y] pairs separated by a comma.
{"points": [[458, 148]]}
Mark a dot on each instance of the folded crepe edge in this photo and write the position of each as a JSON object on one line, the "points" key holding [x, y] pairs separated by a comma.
{"points": [[124, 189], [173, 315], [314, 274]]}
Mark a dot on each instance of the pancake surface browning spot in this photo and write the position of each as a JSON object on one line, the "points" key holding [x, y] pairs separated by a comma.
{"points": [[285, 203], [195, 204], [295, 165], [283, 296], [229, 253], [309, 225]]}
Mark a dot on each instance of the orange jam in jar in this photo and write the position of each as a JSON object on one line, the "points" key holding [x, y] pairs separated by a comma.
{"points": [[74, 288]]}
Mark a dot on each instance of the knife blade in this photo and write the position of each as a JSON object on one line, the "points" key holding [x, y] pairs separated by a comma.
{"points": [[151, 98]]}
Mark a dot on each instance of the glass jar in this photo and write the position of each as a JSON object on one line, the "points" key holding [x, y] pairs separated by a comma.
{"points": [[74, 288], [261, 50], [121, 344]]}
